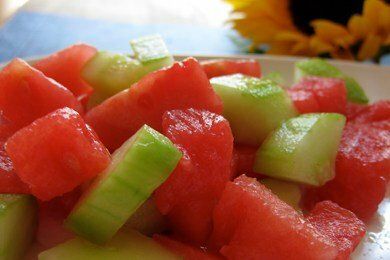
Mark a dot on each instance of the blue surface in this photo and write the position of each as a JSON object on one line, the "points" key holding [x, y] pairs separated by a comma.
{"points": [[29, 34]]}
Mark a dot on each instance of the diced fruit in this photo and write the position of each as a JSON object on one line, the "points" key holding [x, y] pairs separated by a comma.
{"points": [[276, 77], [252, 223], [56, 153], [152, 52], [17, 225], [147, 219], [243, 161], [254, 107], [286, 191], [109, 73], [184, 85], [26, 94], [303, 149], [329, 93], [340, 225], [379, 111], [65, 67], [185, 250], [125, 245], [362, 167], [191, 192], [9, 180], [305, 101], [321, 68], [216, 68], [353, 110], [137, 169]]}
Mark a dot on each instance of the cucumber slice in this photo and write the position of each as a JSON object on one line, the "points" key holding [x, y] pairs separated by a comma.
{"points": [[152, 52], [124, 246], [109, 73], [18, 219], [320, 67], [253, 106], [303, 149], [147, 219], [137, 169], [286, 191]]}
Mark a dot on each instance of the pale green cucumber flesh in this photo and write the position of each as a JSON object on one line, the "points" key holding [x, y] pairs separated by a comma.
{"points": [[109, 73], [124, 246], [302, 149], [147, 219], [138, 167], [286, 191], [320, 67], [18, 220], [254, 107], [151, 51]]}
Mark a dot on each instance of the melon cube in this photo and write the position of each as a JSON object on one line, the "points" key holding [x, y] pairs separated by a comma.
{"points": [[252, 223], [26, 94], [340, 225], [220, 67], [57, 153], [181, 86], [65, 67]]}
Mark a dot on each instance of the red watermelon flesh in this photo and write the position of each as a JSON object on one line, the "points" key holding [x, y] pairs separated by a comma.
{"points": [[187, 251], [65, 67], [243, 160], [304, 100], [379, 111], [216, 68], [362, 167], [191, 191], [26, 94], [250, 222], [330, 94], [340, 225], [353, 110], [56, 153], [181, 86]]}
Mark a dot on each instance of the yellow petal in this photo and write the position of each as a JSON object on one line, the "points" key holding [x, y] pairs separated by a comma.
{"points": [[292, 36], [332, 32], [318, 46], [358, 26], [370, 47]]}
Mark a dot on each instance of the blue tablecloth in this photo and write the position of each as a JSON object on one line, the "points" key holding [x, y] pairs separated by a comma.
{"points": [[30, 34]]}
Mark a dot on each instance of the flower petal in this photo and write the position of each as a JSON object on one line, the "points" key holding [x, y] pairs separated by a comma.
{"points": [[332, 32], [370, 47]]}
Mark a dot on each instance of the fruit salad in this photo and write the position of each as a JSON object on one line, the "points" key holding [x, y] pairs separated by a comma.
{"points": [[137, 156]]}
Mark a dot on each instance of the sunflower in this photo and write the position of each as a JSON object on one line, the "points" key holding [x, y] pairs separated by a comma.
{"points": [[345, 29]]}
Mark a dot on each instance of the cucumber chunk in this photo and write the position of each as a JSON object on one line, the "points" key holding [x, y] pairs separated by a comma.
{"points": [[18, 220], [138, 167], [253, 106], [287, 191], [320, 67], [152, 52], [124, 246], [109, 73], [147, 219], [303, 149]]}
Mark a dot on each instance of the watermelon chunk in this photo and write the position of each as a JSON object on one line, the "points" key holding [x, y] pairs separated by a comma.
{"points": [[26, 94], [352, 110], [316, 94], [362, 167], [252, 223], [220, 67], [56, 153], [183, 85], [65, 67], [340, 225], [192, 190], [379, 111], [187, 251], [243, 161]]}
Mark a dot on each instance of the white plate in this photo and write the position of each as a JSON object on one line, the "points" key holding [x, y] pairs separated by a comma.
{"points": [[376, 82]]}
